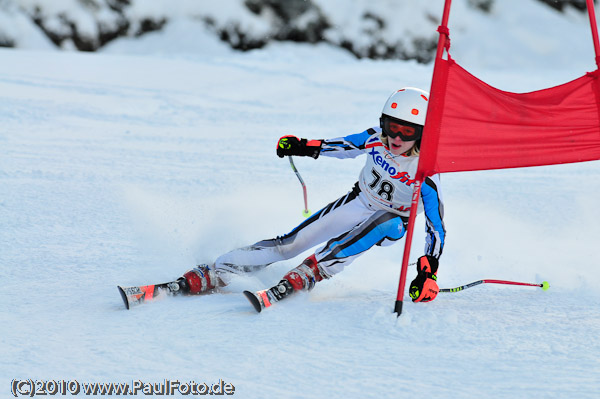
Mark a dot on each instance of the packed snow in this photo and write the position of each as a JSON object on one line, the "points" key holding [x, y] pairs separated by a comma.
{"points": [[127, 168]]}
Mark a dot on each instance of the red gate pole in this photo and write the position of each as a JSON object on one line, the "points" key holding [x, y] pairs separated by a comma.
{"points": [[409, 234], [594, 26], [419, 178]]}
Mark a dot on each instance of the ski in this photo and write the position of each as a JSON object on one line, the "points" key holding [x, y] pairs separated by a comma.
{"points": [[136, 295], [259, 299], [265, 298]]}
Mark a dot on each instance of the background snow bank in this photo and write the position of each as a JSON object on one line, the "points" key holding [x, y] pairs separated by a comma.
{"points": [[494, 32]]}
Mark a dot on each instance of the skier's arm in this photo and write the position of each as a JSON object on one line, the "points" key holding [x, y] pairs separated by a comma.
{"points": [[434, 216], [424, 287], [349, 146]]}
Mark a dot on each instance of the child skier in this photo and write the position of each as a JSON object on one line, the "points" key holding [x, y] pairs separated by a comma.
{"points": [[374, 212]]}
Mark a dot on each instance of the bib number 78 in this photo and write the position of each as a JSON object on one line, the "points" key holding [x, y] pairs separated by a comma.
{"points": [[386, 189]]}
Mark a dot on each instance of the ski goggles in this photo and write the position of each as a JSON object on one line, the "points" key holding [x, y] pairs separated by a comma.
{"points": [[393, 128]]}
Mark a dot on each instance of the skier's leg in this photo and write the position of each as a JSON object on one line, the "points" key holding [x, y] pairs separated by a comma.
{"points": [[300, 278], [337, 217], [382, 228]]}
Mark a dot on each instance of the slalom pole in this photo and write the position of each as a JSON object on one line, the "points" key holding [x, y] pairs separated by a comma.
{"points": [[594, 26], [410, 227], [306, 213], [544, 285], [420, 177]]}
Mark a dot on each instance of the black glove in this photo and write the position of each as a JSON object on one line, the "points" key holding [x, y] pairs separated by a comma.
{"points": [[292, 145], [424, 287]]}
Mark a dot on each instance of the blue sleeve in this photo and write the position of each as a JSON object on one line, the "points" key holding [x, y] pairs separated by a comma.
{"points": [[349, 146], [434, 215]]}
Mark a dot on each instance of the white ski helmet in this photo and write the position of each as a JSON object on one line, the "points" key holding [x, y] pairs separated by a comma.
{"points": [[408, 104]]}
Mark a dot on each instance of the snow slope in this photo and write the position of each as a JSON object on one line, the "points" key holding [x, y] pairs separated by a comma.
{"points": [[130, 169]]}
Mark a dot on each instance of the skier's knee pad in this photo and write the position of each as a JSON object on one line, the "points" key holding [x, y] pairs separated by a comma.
{"points": [[392, 230]]}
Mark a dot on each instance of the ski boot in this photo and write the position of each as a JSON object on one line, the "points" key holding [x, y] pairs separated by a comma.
{"points": [[200, 280], [301, 278]]}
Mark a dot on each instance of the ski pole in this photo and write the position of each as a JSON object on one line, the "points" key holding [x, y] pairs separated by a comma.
{"points": [[305, 212], [544, 285]]}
